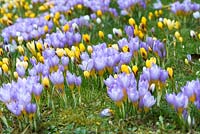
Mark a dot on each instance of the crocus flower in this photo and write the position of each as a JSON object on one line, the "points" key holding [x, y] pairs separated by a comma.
{"points": [[116, 94], [31, 108], [148, 100]]}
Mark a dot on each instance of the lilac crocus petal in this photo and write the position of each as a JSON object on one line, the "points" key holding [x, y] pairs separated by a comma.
{"points": [[20, 70], [33, 61], [78, 81], [124, 81], [5, 95], [157, 5], [170, 98], [70, 78], [125, 57], [163, 76], [189, 89], [48, 53], [133, 94], [57, 77], [154, 72], [84, 56], [37, 89], [148, 100], [189, 57], [99, 63], [129, 31], [109, 81], [64, 60], [181, 101], [143, 88], [31, 108], [15, 108], [115, 93]]}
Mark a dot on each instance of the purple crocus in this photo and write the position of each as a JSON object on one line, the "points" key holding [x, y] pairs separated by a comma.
{"points": [[57, 77], [115, 93], [148, 100], [31, 108], [20, 70]]}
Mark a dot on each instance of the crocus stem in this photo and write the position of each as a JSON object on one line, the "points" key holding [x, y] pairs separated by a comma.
{"points": [[52, 103], [79, 92], [34, 123], [159, 98], [123, 110], [64, 99], [102, 83], [38, 107], [74, 98], [48, 98]]}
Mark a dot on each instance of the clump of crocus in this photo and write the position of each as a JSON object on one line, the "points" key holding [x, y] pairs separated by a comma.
{"points": [[188, 96], [124, 86]]}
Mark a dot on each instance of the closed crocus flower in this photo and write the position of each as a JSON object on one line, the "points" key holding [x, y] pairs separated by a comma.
{"points": [[129, 31], [163, 76], [70, 78], [143, 87], [145, 76], [148, 101], [154, 72], [37, 90], [170, 98], [133, 95], [20, 70], [31, 108], [78, 81], [116, 94], [64, 61], [57, 77], [124, 81]]}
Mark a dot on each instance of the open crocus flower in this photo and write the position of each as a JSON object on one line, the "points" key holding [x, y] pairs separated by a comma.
{"points": [[179, 101], [189, 90]]}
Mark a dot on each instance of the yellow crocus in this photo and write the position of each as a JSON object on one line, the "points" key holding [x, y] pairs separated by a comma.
{"points": [[39, 46], [46, 28], [45, 82], [170, 72], [143, 53], [4, 68], [86, 38], [81, 47], [101, 34], [5, 61], [31, 47], [131, 22], [135, 69], [99, 13], [125, 68], [20, 49], [160, 25], [65, 27]]}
